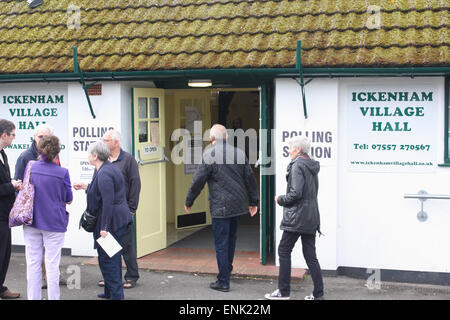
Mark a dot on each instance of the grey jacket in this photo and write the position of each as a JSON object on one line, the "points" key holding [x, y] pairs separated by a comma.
{"points": [[301, 210], [232, 185]]}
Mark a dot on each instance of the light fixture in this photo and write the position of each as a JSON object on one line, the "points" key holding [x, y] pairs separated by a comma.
{"points": [[34, 3], [200, 83]]}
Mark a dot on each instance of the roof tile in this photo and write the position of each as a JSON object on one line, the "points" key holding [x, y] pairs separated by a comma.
{"points": [[203, 34]]}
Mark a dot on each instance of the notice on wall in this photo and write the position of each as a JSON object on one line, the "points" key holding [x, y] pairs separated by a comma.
{"points": [[391, 129], [81, 137], [192, 114], [193, 156], [29, 106]]}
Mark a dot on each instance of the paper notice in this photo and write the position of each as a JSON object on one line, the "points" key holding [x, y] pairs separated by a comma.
{"points": [[109, 244]]}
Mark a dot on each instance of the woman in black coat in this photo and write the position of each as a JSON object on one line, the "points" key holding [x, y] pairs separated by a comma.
{"points": [[106, 198], [300, 219]]}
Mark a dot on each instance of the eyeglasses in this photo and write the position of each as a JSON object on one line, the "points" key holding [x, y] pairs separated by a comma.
{"points": [[106, 140]]}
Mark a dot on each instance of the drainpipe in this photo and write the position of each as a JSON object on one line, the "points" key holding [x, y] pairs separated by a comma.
{"points": [[300, 72], [77, 70]]}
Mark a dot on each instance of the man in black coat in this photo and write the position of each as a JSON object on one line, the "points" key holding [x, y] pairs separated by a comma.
{"points": [[300, 219], [8, 189], [42, 130], [233, 192]]}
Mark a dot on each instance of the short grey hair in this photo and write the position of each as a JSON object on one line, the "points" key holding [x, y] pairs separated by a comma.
{"points": [[100, 149], [115, 135], [218, 132], [301, 142], [43, 127]]}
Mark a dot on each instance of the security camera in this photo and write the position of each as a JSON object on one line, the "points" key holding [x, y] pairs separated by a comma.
{"points": [[34, 3]]}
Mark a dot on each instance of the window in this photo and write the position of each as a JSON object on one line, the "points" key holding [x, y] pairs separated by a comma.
{"points": [[148, 125]]}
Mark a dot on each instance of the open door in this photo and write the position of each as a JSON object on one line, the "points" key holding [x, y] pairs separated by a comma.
{"points": [[149, 148], [191, 106]]}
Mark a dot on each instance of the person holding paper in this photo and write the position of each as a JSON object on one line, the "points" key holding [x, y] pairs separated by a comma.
{"points": [[52, 191], [233, 192], [106, 199]]}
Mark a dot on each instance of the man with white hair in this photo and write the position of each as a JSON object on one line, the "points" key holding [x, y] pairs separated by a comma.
{"points": [[42, 130], [233, 192], [300, 219]]}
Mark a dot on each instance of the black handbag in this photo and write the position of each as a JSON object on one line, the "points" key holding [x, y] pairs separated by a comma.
{"points": [[88, 221]]}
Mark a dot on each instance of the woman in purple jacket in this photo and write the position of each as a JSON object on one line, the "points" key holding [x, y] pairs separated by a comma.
{"points": [[50, 218]]}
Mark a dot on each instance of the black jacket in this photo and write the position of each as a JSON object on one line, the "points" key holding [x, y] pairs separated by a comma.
{"points": [[106, 199], [30, 154], [232, 185], [301, 210], [7, 191], [129, 168]]}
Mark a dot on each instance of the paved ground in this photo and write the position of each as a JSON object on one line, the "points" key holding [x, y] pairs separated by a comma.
{"points": [[186, 286]]}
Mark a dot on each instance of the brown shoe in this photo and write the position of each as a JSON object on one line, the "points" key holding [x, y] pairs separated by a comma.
{"points": [[9, 295]]}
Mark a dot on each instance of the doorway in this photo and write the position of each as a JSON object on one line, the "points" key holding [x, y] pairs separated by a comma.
{"points": [[235, 109]]}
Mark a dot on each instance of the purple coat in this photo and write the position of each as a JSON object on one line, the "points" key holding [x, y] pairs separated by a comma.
{"points": [[52, 191]]}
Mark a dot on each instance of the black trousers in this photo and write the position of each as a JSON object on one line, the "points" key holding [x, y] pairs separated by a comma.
{"points": [[5, 252], [285, 247], [129, 254]]}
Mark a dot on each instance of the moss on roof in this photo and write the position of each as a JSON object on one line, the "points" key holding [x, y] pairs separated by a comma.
{"points": [[119, 35]]}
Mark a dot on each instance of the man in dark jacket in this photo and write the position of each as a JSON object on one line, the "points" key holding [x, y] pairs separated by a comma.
{"points": [[42, 130], [8, 190], [233, 192], [300, 219]]}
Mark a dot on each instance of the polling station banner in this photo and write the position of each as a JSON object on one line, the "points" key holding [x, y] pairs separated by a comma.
{"points": [[391, 128]]}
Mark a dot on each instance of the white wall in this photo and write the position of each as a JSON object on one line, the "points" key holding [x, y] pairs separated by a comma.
{"points": [[321, 101], [76, 128], [366, 220], [377, 227], [30, 115], [112, 110]]}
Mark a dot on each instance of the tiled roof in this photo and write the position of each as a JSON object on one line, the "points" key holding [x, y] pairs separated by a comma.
{"points": [[119, 35]]}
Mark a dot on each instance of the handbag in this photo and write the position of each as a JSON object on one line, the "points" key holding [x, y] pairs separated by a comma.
{"points": [[22, 210], [87, 221]]}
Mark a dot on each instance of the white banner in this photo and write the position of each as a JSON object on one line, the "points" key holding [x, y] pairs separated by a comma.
{"points": [[391, 128], [28, 106]]}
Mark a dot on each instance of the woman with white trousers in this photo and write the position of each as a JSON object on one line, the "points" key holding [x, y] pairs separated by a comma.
{"points": [[45, 236]]}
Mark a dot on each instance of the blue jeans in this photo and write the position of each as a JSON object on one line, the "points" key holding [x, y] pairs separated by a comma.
{"points": [[225, 235], [111, 269]]}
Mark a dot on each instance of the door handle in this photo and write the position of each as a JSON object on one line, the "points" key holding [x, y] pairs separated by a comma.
{"points": [[142, 163]]}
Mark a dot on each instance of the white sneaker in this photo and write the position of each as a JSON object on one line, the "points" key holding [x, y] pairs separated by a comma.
{"points": [[276, 295], [311, 297]]}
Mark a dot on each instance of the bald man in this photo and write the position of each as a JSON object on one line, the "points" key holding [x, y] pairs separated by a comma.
{"points": [[231, 182]]}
